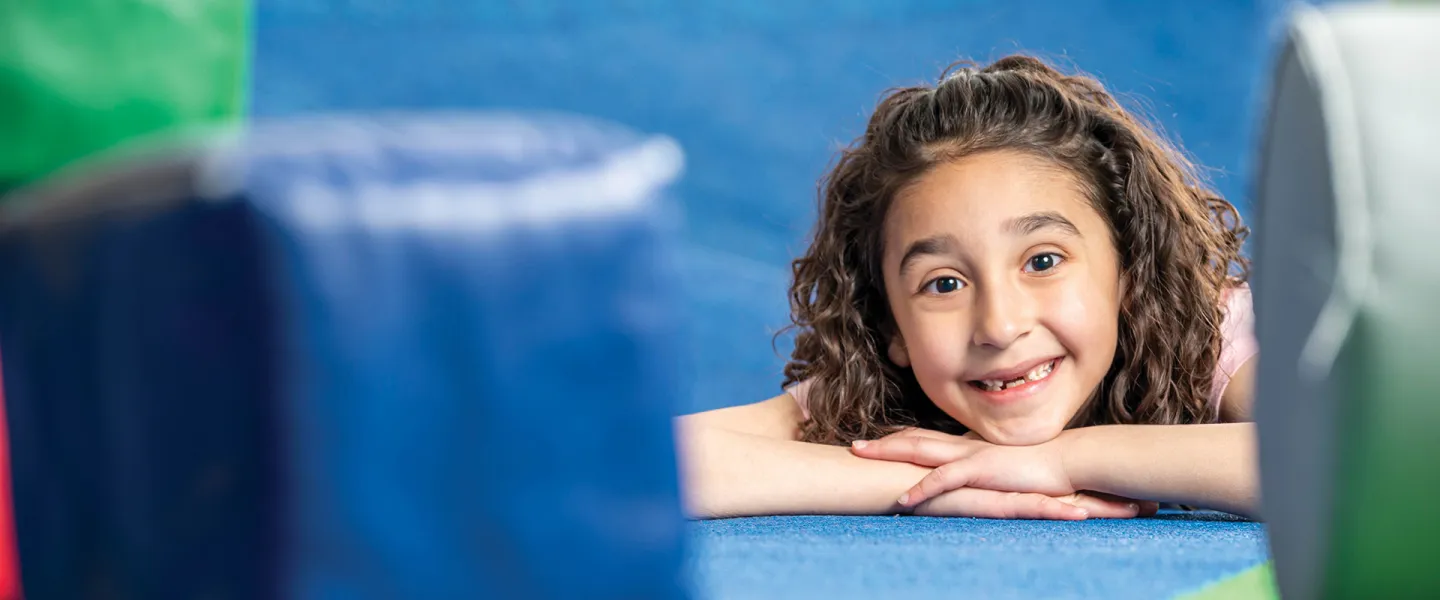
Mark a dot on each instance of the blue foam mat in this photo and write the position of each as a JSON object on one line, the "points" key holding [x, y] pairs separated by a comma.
{"points": [[920, 557]]}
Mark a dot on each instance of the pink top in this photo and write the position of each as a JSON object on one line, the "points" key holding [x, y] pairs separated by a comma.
{"points": [[1237, 347]]}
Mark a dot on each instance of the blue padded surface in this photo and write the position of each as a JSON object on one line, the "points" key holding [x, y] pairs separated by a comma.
{"points": [[480, 317], [421, 357], [759, 93], [137, 380], [919, 557]]}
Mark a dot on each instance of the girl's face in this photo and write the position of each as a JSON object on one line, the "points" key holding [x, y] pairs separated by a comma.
{"points": [[1005, 285]]}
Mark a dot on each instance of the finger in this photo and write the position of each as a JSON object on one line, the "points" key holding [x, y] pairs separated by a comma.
{"points": [[1148, 508], [971, 435], [1040, 506], [1105, 508], [918, 432], [946, 477], [925, 451], [990, 504], [904, 432]]}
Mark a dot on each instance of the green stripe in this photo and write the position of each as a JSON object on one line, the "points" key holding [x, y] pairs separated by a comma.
{"points": [[1254, 584], [78, 77]]}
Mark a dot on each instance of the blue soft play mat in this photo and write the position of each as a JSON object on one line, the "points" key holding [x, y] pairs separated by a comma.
{"points": [[921, 557]]}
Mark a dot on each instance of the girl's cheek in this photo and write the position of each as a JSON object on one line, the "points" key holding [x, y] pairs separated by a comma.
{"points": [[940, 356], [1083, 318]]}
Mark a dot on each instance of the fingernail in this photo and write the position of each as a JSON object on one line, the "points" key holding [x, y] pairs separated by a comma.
{"points": [[860, 443], [1133, 506], [905, 499], [1084, 514]]}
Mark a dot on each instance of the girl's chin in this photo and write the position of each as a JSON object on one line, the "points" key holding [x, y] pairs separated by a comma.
{"points": [[1019, 434]]}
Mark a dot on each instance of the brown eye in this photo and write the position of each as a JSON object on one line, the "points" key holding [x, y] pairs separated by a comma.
{"points": [[944, 285], [1041, 263]]}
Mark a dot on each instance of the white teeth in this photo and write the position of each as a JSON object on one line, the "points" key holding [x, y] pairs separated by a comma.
{"points": [[1035, 374], [1039, 372]]}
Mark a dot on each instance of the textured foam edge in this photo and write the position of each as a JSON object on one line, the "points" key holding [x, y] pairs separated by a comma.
{"points": [[623, 182], [210, 163], [360, 134]]}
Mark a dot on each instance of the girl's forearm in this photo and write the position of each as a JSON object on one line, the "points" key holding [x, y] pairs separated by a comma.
{"points": [[730, 474], [1212, 466]]}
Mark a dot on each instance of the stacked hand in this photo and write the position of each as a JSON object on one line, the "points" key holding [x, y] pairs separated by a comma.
{"points": [[975, 478]]}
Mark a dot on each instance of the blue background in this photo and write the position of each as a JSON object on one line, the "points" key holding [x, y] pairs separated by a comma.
{"points": [[760, 93]]}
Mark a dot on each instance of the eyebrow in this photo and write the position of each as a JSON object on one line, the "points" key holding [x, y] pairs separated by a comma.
{"points": [[1034, 222], [935, 245], [944, 244]]}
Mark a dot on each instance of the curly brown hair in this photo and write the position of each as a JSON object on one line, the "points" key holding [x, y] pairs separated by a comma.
{"points": [[1178, 241]]}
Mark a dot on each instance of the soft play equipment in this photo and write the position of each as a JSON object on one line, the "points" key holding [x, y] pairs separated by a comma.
{"points": [[760, 95], [83, 76], [1349, 387], [390, 357]]}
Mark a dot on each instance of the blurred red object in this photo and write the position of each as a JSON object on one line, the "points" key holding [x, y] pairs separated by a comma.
{"points": [[9, 559]]}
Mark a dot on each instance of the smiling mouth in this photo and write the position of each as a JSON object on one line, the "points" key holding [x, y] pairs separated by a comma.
{"points": [[1037, 374]]}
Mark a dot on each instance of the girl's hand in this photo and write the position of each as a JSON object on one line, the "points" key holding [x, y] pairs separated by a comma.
{"points": [[930, 433], [966, 463], [990, 504]]}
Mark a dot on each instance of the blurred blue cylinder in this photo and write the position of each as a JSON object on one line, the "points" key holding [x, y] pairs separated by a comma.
{"points": [[392, 357]]}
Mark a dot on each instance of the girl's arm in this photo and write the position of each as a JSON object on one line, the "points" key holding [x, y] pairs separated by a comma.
{"points": [[728, 472], [745, 461], [1213, 466], [777, 418]]}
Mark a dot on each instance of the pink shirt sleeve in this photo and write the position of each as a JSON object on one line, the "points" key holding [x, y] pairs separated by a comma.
{"points": [[1238, 346], [1238, 343], [799, 392]]}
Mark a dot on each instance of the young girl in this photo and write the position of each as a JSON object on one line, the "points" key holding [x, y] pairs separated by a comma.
{"points": [[1020, 302]]}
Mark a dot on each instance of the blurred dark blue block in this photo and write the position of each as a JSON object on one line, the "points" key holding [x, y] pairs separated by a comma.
{"points": [[350, 358]]}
